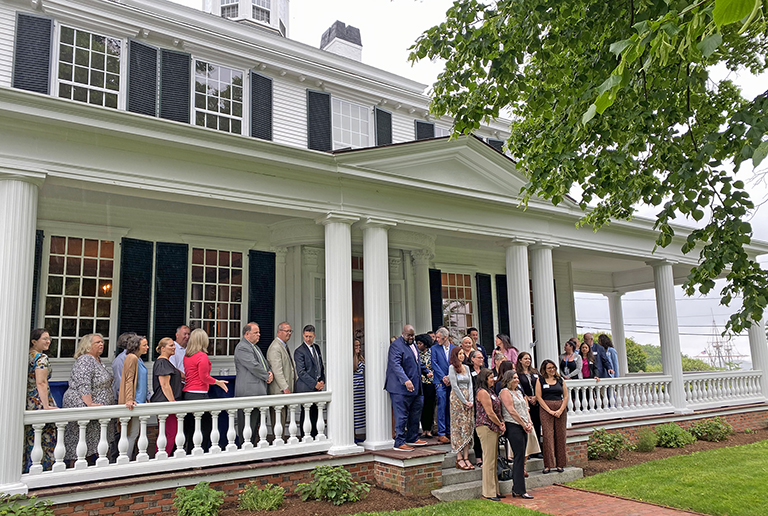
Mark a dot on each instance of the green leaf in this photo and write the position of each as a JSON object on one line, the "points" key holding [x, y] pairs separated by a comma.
{"points": [[731, 11], [708, 45], [618, 47], [610, 83], [603, 102], [760, 153], [589, 115]]}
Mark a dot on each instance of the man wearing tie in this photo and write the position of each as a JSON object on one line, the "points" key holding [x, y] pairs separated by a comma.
{"points": [[280, 361], [310, 373], [403, 384], [441, 353], [253, 376]]}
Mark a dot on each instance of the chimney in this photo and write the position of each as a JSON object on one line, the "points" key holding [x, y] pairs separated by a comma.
{"points": [[343, 40]]}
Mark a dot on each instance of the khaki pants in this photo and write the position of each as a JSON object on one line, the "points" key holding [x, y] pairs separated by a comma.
{"points": [[489, 440]]}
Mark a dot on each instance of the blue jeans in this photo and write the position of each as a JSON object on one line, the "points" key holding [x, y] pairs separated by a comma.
{"points": [[407, 409]]}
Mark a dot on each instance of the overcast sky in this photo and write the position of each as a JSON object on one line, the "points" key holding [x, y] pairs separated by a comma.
{"points": [[389, 27]]}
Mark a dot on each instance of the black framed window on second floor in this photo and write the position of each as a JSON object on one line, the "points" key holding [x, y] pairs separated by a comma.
{"points": [[218, 95]]}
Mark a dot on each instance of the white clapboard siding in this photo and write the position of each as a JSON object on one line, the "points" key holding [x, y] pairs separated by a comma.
{"points": [[7, 32], [402, 127], [289, 112]]}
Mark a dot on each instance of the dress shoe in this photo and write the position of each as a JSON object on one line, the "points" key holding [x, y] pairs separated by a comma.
{"points": [[545, 471], [493, 499], [403, 447], [443, 439], [524, 495], [419, 442], [559, 470], [499, 495]]}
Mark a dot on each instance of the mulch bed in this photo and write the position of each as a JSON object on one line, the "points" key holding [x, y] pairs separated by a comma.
{"points": [[630, 458]]}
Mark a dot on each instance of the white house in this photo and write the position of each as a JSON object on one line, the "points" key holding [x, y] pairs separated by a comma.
{"points": [[161, 165]]}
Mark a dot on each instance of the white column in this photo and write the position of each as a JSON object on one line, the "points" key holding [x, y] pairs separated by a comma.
{"points": [[378, 413], [617, 329], [280, 286], [669, 334], [544, 314], [758, 347], [18, 221], [518, 295], [423, 304], [338, 317]]}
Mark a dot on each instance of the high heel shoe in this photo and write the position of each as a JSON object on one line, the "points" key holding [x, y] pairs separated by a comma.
{"points": [[526, 496]]}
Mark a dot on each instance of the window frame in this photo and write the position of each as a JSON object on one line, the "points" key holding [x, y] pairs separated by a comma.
{"points": [[371, 137], [454, 330], [256, 5], [245, 127]]}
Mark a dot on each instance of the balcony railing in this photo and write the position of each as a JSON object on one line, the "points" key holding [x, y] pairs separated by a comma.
{"points": [[229, 453], [722, 388]]}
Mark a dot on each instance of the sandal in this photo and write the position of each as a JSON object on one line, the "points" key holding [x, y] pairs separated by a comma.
{"points": [[479, 463], [460, 464], [469, 465]]}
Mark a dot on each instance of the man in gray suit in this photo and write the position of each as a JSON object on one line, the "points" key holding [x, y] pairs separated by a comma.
{"points": [[253, 376], [280, 361]]}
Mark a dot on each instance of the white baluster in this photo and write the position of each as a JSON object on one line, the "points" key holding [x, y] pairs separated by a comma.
{"points": [[82, 446], [570, 404], [122, 444], [624, 399], [37, 450], [278, 427], [644, 395], [179, 435], [247, 432], [59, 451], [215, 448], [605, 404], [103, 447], [321, 421], [632, 389], [263, 443], [688, 388], [307, 428], [197, 437], [143, 441], [231, 431], [162, 440], [293, 428], [667, 396]]}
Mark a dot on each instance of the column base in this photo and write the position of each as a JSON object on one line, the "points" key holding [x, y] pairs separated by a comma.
{"points": [[14, 489], [345, 449], [379, 445]]}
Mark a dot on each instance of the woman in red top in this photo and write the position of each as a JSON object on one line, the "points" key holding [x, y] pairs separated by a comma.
{"points": [[197, 368]]}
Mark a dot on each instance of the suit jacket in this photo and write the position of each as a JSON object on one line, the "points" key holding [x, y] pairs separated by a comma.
{"points": [[440, 363], [603, 363], [308, 371], [282, 367], [402, 365], [252, 370]]}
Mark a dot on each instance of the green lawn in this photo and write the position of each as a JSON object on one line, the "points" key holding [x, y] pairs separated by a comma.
{"points": [[465, 508], [726, 481]]}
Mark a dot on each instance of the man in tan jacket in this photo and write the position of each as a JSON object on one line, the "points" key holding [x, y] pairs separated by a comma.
{"points": [[280, 361]]}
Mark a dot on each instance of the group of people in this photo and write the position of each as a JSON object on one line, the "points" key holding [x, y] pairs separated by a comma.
{"points": [[181, 371]]}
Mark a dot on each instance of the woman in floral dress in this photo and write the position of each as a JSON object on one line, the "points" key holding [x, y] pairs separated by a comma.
{"points": [[39, 398], [90, 385]]}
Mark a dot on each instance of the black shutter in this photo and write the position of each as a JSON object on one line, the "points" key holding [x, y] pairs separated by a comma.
{"points": [[261, 106], [135, 286], [142, 78], [170, 289], [424, 130], [496, 144], [319, 136], [32, 53], [175, 76], [436, 297], [485, 309], [261, 294], [502, 302], [383, 126], [39, 236]]}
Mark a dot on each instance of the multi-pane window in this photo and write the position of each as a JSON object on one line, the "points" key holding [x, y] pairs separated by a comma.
{"points": [[78, 298], [457, 303], [441, 131], [351, 125], [319, 316], [216, 297], [89, 67], [261, 10], [230, 8], [218, 97], [396, 308]]}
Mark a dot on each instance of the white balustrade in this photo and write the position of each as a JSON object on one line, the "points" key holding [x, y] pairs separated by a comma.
{"points": [[152, 457], [714, 389]]}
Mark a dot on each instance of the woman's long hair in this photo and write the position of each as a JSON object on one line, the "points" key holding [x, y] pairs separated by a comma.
{"points": [[198, 341], [482, 379], [519, 365], [505, 342], [454, 360], [590, 356], [543, 369], [605, 341]]}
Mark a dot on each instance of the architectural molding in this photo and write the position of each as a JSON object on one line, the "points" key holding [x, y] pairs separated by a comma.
{"points": [[220, 242], [337, 218], [411, 240], [421, 257], [310, 256], [77, 229], [376, 222]]}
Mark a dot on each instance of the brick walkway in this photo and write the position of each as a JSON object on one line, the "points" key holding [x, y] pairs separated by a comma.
{"points": [[565, 501]]}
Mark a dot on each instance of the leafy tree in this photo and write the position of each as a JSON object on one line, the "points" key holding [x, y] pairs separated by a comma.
{"points": [[615, 98], [636, 357], [695, 364], [653, 354]]}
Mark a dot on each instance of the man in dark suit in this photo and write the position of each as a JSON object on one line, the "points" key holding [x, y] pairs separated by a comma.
{"points": [[310, 373], [603, 363], [403, 383], [441, 353], [253, 376]]}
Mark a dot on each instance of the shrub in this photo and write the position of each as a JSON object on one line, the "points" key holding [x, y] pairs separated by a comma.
{"points": [[252, 498], [333, 483], [646, 441], [20, 505], [672, 436], [603, 445], [202, 500], [713, 430], [749, 431]]}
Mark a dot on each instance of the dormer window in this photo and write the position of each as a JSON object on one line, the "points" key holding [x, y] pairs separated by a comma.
{"points": [[230, 8], [261, 10]]}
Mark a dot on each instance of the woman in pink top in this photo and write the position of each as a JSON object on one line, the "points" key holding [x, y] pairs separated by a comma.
{"points": [[504, 345], [197, 367]]}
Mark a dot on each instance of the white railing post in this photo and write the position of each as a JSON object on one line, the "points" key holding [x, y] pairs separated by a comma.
{"points": [[122, 444], [321, 421], [247, 432], [231, 431], [143, 442], [293, 428], [263, 443], [162, 440], [307, 428], [215, 448], [277, 428], [37, 450], [103, 447], [82, 445], [197, 437], [180, 452], [59, 451]]}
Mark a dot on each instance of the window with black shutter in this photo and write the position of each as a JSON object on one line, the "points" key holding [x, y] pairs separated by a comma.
{"points": [[436, 297], [502, 303], [171, 265], [261, 106], [261, 294], [424, 130], [32, 53], [485, 309], [142, 78], [175, 77], [135, 286], [319, 133], [383, 126], [496, 144]]}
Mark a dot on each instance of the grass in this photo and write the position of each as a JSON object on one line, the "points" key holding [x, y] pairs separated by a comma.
{"points": [[467, 507], [726, 481]]}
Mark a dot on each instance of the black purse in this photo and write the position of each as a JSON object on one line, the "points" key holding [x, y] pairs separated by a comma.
{"points": [[503, 469]]}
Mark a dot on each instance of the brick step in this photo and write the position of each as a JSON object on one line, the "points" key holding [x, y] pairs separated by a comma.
{"points": [[474, 488]]}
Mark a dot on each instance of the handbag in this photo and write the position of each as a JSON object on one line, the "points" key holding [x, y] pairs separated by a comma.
{"points": [[503, 469], [532, 447]]}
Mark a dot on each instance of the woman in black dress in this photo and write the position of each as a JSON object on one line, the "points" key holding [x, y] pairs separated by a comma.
{"points": [[166, 384]]}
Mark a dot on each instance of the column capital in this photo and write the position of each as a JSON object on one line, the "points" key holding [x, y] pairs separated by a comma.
{"points": [[542, 244], [515, 241], [614, 294], [661, 261], [35, 177], [376, 222], [421, 256], [337, 217], [280, 253]]}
